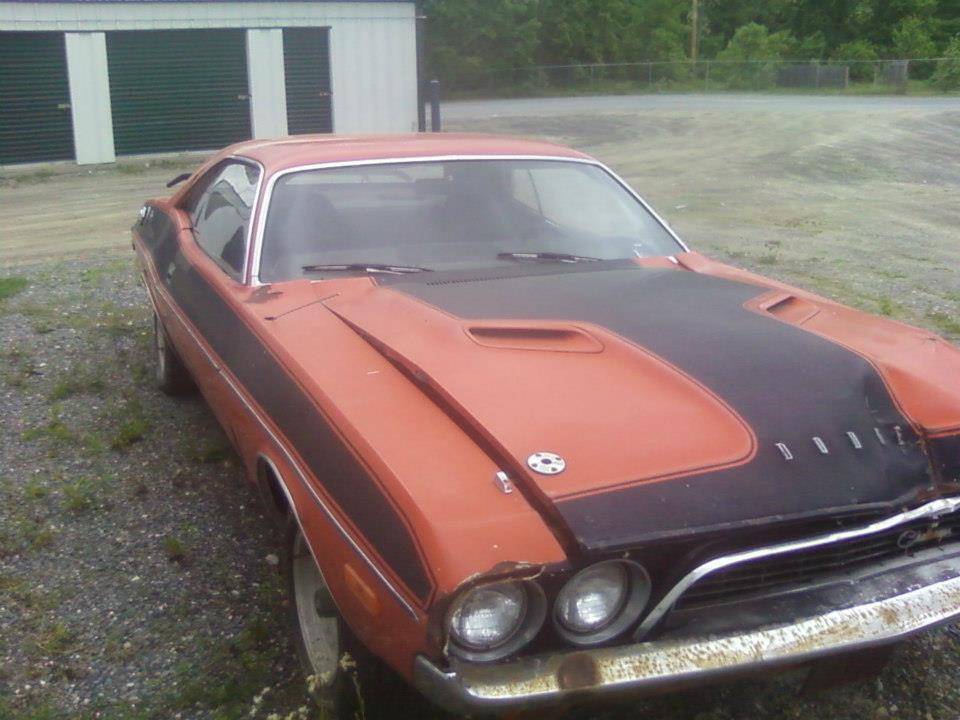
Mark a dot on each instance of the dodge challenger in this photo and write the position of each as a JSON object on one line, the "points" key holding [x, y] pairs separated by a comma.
{"points": [[528, 446]]}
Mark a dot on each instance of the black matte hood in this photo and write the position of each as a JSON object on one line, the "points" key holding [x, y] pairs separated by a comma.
{"points": [[830, 437]]}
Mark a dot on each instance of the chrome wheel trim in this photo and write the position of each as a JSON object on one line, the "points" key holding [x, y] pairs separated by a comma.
{"points": [[317, 615], [160, 344]]}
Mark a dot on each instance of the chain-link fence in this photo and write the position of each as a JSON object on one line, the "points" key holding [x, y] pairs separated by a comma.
{"points": [[893, 76]]}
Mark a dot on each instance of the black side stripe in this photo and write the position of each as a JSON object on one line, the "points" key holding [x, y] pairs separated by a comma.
{"points": [[308, 431]]}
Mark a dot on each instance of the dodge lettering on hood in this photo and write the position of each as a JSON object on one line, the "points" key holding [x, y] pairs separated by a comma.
{"points": [[524, 444]]}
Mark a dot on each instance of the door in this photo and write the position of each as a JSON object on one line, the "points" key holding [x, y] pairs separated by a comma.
{"points": [[35, 120], [178, 89], [306, 65]]}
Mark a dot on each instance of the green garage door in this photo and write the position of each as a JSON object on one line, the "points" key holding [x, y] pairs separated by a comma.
{"points": [[178, 89], [35, 122], [306, 65]]}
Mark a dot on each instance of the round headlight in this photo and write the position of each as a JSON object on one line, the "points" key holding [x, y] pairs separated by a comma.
{"points": [[490, 622], [601, 601], [593, 598], [488, 616]]}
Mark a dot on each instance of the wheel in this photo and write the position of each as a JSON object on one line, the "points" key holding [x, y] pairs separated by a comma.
{"points": [[172, 377], [319, 630], [345, 679]]}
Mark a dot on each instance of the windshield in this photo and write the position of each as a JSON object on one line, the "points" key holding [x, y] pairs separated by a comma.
{"points": [[460, 214]]}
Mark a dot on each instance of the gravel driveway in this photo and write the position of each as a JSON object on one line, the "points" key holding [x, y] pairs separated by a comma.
{"points": [[137, 576]]}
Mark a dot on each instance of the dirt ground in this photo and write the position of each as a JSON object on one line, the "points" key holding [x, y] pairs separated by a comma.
{"points": [[137, 578]]}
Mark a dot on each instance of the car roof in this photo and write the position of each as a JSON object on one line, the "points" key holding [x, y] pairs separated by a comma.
{"points": [[284, 153]]}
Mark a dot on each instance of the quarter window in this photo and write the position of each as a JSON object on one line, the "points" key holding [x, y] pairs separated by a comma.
{"points": [[221, 214]]}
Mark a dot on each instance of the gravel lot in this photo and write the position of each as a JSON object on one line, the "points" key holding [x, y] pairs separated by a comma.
{"points": [[135, 568]]}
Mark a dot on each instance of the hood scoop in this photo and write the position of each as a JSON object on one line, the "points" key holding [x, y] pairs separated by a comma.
{"points": [[542, 337]]}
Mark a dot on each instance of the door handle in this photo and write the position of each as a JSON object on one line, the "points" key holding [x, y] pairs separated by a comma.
{"points": [[243, 97], [63, 106]]}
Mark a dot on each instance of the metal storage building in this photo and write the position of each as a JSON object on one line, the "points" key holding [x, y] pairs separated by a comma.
{"points": [[92, 79]]}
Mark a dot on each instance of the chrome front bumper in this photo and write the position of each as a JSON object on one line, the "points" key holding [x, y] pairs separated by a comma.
{"points": [[478, 689]]}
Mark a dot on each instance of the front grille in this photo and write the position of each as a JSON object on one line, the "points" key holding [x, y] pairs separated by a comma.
{"points": [[806, 566]]}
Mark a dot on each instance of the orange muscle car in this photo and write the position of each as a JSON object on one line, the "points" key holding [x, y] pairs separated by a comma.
{"points": [[530, 446]]}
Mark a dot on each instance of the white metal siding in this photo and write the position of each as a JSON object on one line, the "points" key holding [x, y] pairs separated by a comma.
{"points": [[90, 97], [373, 54]]}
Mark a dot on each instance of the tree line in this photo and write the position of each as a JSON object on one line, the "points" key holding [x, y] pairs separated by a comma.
{"points": [[473, 42]]}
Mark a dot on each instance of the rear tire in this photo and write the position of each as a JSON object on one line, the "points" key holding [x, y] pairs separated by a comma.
{"points": [[172, 377]]}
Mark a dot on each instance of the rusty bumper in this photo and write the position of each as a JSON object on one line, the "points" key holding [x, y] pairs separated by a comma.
{"points": [[648, 666]]}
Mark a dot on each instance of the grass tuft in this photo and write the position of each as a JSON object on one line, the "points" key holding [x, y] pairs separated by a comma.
{"points": [[133, 426], [174, 549], [79, 495], [10, 286], [946, 323]]}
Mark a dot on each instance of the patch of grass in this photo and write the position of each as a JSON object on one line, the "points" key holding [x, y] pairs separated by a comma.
{"points": [[210, 451], [25, 535], [886, 306], [35, 489], [17, 368], [10, 286], [174, 549], [133, 425], [80, 495], [55, 430], [34, 177], [131, 431], [949, 324], [78, 381], [107, 270], [54, 639], [769, 258]]}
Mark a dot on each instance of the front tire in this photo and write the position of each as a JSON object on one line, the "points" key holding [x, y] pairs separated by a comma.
{"points": [[171, 375], [319, 629]]}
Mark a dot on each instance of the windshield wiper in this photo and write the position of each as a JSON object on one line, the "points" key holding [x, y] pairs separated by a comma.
{"points": [[555, 256], [367, 268]]}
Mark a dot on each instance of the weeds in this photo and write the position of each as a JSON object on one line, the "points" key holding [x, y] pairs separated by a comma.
{"points": [[55, 639], [944, 322], [78, 381], [10, 286], [24, 535], [55, 430], [210, 451], [174, 550], [35, 489], [133, 426], [80, 495], [886, 306]]}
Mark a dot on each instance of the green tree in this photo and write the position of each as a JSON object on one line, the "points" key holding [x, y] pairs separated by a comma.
{"points": [[748, 60], [911, 39], [863, 59], [947, 74], [480, 44], [812, 47], [607, 31]]}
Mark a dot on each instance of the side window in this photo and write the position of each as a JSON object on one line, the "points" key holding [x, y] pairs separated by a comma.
{"points": [[221, 212]]}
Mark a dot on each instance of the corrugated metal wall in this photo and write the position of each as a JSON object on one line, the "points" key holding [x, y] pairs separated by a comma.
{"points": [[306, 63], [178, 89], [35, 119]]}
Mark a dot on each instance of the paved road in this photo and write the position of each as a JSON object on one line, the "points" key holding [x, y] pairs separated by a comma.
{"points": [[540, 107]]}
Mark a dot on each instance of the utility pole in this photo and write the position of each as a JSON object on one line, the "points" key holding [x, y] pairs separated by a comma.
{"points": [[695, 30]]}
